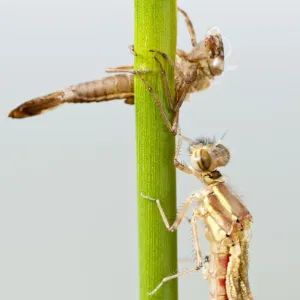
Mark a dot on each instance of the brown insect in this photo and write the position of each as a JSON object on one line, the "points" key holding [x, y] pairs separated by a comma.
{"points": [[226, 219], [194, 72]]}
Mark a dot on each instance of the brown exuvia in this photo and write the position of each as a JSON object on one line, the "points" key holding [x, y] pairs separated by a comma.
{"points": [[194, 71]]}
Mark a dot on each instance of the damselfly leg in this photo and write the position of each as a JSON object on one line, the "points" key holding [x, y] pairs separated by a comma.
{"points": [[173, 227]]}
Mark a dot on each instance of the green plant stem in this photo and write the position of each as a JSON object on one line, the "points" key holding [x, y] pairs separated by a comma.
{"points": [[155, 28]]}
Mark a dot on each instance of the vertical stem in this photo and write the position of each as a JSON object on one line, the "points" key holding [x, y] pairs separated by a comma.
{"points": [[155, 28]]}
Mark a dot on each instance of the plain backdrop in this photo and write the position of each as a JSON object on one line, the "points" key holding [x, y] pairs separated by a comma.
{"points": [[68, 219]]}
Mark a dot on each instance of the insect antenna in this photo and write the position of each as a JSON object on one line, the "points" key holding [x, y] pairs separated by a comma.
{"points": [[222, 137]]}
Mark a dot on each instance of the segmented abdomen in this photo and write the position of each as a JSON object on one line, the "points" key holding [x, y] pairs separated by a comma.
{"points": [[113, 87], [218, 262]]}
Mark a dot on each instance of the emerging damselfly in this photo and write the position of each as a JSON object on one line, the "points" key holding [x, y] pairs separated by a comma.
{"points": [[226, 219]]}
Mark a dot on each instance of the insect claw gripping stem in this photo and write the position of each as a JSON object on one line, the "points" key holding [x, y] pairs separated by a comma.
{"points": [[167, 87], [131, 49], [166, 279], [164, 217], [147, 197]]}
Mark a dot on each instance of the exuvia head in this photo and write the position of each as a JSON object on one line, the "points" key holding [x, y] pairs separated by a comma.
{"points": [[207, 155], [214, 43], [215, 48]]}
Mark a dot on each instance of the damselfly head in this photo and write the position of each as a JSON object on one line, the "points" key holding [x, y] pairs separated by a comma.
{"points": [[207, 155]]}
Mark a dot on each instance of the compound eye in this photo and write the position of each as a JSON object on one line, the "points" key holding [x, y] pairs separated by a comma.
{"points": [[216, 66], [222, 155], [205, 160]]}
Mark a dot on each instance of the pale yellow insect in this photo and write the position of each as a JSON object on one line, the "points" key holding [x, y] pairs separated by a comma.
{"points": [[227, 222]]}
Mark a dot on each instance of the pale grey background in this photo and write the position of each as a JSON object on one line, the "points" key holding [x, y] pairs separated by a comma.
{"points": [[67, 178]]}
